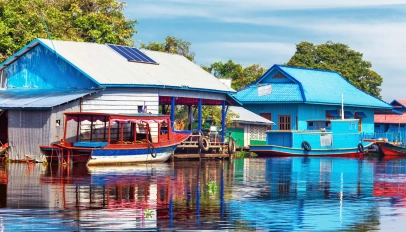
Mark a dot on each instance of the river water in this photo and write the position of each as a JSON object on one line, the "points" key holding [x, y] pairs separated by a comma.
{"points": [[269, 194]]}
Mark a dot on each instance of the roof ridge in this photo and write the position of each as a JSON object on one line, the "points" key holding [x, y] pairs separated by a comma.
{"points": [[312, 69]]}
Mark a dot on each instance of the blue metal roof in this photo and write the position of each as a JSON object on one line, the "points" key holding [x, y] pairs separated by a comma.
{"points": [[320, 86], [311, 86], [39, 98], [281, 92]]}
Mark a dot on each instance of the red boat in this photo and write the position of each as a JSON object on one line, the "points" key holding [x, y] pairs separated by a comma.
{"points": [[100, 138], [391, 149]]}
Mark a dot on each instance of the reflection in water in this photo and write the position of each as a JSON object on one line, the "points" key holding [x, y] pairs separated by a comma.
{"points": [[284, 194]]}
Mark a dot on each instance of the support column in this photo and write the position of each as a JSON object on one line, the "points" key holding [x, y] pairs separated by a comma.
{"points": [[223, 120], [172, 112], [199, 115]]}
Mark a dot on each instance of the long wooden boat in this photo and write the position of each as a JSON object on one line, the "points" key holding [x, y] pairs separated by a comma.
{"points": [[100, 138], [391, 149], [322, 138]]}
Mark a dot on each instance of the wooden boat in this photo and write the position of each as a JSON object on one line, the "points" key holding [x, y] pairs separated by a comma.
{"points": [[391, 149], [338, 137], [100, 138]]}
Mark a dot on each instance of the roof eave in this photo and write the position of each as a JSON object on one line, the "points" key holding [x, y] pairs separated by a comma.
{"points": [[18, 54], [166, 87]]}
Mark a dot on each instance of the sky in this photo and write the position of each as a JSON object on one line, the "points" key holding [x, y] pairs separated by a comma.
{"points": [[266, 32]]}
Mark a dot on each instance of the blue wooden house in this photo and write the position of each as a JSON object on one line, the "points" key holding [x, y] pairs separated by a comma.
{"points": [[291, 96], [392, 126], [46, 78]]}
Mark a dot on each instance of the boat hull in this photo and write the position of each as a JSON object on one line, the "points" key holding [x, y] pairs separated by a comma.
{"points": [[105, 155], [389, 149], [272, 150]]}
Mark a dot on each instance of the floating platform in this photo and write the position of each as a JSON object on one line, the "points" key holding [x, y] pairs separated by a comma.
{"points": [[199, 146]]}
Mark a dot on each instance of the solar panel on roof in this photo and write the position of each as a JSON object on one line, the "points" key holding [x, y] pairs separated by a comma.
{"points": [[132, 54]]}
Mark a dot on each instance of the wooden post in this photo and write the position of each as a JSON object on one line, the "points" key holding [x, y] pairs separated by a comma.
{"points": [[199, 115], [223, 120]]}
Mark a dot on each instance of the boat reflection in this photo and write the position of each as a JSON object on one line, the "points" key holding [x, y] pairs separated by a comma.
{"points": [[160, 194]]}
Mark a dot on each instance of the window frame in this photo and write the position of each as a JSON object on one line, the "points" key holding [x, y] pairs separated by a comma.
{"points": [[284, 124]]}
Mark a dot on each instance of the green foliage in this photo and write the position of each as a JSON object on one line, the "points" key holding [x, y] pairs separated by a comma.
{"points": [[340, 58], [212, 187], [243, 154], [99, 21], [148, 213], [171, 45], [214, 112], [239, 76], [208, 111]]}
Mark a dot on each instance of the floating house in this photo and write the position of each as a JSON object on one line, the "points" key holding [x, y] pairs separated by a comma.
{"points": [[248, 128], [392, 126], [291, 96], [46, 78], [394, 123]]}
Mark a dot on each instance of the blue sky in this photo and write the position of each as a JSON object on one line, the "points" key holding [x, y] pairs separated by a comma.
{"points": [[266, 31]]}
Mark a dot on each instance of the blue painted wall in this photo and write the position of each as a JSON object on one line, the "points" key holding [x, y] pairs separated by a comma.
{"points": [[41, 68], [276, 110], [308, 112]]}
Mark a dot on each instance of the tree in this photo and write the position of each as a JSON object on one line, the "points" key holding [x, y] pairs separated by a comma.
{"points": [[99, 21], [171, 45], [340, 58], [239, 76]]}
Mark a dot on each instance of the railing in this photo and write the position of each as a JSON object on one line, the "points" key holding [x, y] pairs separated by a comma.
{"points": [[392, 137]]}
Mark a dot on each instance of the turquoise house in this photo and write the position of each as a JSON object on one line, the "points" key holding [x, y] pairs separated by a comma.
{"points": [[291, 97]]}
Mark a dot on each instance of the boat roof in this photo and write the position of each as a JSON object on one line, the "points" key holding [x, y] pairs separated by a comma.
{"points": [[332, 120], [119, 116]]}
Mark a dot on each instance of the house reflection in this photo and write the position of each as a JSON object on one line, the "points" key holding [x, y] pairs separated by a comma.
{"points": [[317, 193], [282, 193]]}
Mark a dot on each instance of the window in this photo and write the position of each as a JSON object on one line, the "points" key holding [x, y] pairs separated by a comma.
{"points": [[267, 116], [284, 122], [139, 109]]}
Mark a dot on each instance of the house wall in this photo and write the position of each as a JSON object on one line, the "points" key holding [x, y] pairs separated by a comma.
{"points": [[308, 112], [28, 129], [41, 68], [275, 110], [122, 101]]}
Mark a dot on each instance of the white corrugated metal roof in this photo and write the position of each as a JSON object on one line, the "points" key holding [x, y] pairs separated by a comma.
{"points": [[40, 98], [248, 117], [107, 67]]}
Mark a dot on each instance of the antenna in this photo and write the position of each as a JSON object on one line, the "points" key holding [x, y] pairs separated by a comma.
{"points": [[46, 28], [45, 25], [342, 106]]}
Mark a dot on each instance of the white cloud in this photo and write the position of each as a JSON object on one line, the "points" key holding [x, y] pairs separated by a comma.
{"points": [[247, 53], [380, 39], [222, 9]]}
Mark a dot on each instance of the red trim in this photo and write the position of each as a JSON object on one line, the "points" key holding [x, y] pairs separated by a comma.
{"points": [[276, 153]]}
